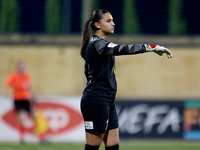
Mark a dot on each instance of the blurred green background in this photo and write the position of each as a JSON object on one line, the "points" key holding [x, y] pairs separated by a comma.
{"points": [[168, 17]]}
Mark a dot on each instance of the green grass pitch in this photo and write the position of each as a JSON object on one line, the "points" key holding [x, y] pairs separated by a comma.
{"points": [[124, 145]]}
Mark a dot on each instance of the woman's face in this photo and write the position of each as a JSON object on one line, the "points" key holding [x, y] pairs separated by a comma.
{"points": [[106, 24], [21, 67]]}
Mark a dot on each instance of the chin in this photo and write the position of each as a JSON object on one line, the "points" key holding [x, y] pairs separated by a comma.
{"points": [[109, 33]]}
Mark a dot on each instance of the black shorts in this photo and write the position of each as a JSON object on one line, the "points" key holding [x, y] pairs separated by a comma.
{"points": [[22, 105], [99, 117]]}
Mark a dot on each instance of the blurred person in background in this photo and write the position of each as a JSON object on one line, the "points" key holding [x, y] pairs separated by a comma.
{"points": [[97, 103], [20, 83]]}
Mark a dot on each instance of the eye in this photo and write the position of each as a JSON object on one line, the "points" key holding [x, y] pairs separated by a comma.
{"points": [[109, 20]]}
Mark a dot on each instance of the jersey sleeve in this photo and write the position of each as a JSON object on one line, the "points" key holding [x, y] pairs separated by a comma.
{"points": [[104, 47], [9, 80]]}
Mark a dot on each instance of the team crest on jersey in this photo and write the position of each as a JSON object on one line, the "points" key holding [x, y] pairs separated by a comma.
{"points": [[112, 45]]}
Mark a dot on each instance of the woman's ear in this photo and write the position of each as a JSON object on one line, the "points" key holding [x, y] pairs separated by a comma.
{"points": [[97, 25]]}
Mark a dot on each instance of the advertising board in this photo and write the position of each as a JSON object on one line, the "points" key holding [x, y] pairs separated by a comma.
{"points": [[65, 121], [150, 119]]}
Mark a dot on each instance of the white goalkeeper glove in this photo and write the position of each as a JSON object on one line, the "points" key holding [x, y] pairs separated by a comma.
{"points": [[158, 50]]}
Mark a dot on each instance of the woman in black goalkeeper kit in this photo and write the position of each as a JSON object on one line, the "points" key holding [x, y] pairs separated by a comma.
{"points": [[97, 103]]}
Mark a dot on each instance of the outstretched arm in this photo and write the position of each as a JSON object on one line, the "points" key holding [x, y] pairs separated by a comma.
{"points": [[104, 47], [107, 48]]}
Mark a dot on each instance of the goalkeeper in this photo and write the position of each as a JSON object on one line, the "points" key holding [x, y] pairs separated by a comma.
{"points": [[97, 103]]}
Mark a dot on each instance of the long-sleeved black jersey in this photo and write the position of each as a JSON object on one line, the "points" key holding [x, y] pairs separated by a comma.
{"points": [[100, 68]]}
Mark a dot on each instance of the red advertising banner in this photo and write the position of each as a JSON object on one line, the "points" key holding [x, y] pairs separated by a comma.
{"points": [[64, 121]]}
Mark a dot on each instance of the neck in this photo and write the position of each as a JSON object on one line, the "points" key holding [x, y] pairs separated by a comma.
{"points": [[101, 35], [20, 72]]}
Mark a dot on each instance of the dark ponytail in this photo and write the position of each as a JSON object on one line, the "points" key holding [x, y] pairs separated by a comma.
{"points": [[86, 38], [95, 17]]}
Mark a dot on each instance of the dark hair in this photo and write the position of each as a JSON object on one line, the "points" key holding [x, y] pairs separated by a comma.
{"points": [[95, 17]]}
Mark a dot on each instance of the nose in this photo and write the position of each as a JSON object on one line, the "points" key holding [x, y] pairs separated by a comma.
{"points": [[113, 23]]}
